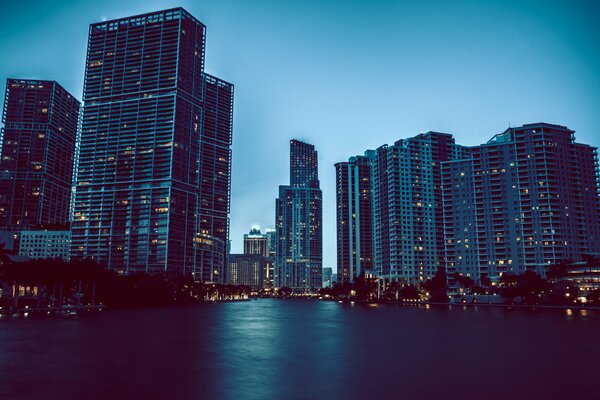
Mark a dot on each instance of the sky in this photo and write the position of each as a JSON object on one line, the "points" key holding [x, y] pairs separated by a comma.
{"points": [[348, 76]]}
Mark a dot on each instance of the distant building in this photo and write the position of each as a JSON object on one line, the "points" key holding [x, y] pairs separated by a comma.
{"points": [[327, 272], [153, 182], [354, 217], [38, 152], [271, 241], [526, 199], [299, 251], [255, 242], [246, 269], [45, 244], [334, 279]]}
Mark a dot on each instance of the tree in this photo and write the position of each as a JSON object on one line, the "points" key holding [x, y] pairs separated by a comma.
{"points": [[528, 286], [558, 271], [437, 286], [409, 292]]}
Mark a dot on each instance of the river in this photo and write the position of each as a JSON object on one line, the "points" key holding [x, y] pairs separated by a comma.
{"points": [[302, 349]]}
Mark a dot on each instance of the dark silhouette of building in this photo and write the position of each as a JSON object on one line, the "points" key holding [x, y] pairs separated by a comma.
{"points": [[299, 215], [153, 180], [354, 217], [38, 151]]}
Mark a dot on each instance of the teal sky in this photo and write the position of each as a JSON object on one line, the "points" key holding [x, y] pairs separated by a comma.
{"points": [[349, 75]]}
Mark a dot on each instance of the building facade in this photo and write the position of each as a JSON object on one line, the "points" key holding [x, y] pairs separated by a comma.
{"points": [[246, 269], [45, 244], [38, 151], [299, 250], [354, 217], [526, 199], [153, 179]]}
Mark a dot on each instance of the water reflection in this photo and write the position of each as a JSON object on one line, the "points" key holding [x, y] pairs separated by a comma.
{"points": [[297, 349]]}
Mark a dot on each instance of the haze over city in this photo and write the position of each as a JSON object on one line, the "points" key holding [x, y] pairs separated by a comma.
{"points": [[348, 76]]}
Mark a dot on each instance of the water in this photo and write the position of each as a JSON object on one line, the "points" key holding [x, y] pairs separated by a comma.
{"points": [[302, 349]]}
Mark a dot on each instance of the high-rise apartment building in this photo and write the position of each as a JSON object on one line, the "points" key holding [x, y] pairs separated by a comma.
{"points": [[354, 217], [408, 237], [299, 251], [153, 180], [38, 146], [522, 201]]}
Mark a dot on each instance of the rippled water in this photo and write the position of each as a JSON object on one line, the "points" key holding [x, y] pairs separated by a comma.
{"points": [[302, 349]]}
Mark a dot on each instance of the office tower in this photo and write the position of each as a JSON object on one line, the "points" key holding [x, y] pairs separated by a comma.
{"points": [[299, 251], [407, 211], [255, 242], [38, 147], [354, 217], [153, 182], [524, 200]]}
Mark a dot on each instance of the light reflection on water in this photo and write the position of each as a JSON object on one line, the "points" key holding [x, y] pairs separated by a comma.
{"points": [[297, 349]]}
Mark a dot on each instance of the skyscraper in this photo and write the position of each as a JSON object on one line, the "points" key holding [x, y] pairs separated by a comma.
{"points": [[38, 147], [354, 217], [153, 181], [407, 206], [524, 200], [256, 243], [299, 251]]}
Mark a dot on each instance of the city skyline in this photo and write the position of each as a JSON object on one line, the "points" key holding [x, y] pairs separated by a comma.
{"points": [[404, 80]]}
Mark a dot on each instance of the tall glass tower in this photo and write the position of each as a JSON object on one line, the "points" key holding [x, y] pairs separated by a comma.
{"points": [[38, 147], [153, 178], [299, 216]]}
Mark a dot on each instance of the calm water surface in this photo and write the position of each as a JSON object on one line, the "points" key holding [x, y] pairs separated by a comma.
{"points": [[302, 349]]}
